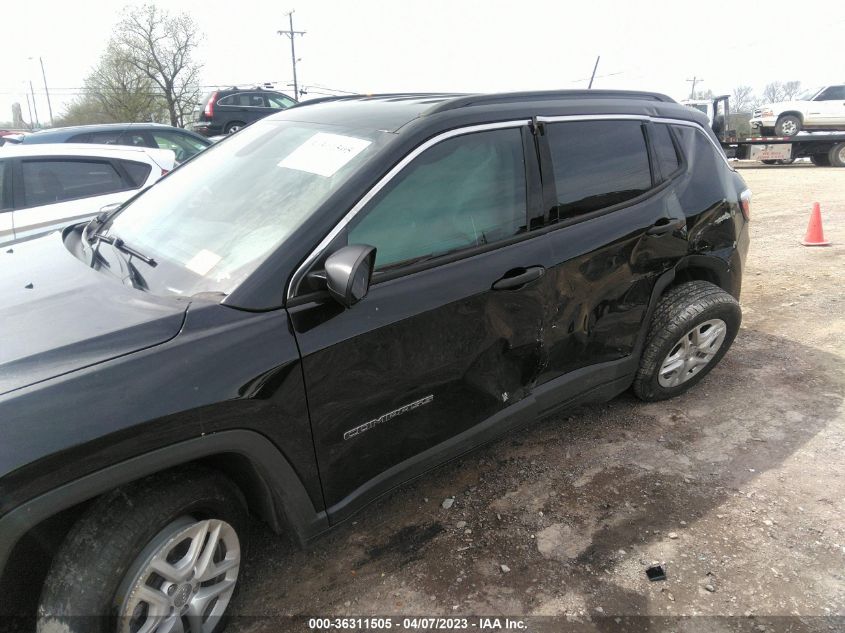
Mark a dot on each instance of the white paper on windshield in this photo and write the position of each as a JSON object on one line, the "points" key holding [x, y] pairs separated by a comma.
{"points": [[323, 154], [203, 261]]}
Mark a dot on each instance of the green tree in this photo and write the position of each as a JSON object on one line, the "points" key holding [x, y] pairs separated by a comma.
{"points": [[161, 47], [123, 92]]}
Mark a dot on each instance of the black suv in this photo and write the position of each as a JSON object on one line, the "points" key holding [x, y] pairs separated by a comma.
{"points": [[227, 111], [335, 300]]}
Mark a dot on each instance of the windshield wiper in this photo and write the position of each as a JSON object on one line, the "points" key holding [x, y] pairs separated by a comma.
{"points": [[122, 246]]}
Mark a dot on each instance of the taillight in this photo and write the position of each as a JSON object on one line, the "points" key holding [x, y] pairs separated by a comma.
{"points": [[745, 203], [209, 106]]}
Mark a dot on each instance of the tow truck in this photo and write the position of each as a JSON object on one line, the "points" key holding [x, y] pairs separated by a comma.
{"points": [[824, 149]]}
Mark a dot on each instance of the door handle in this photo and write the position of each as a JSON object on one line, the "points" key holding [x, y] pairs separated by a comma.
{"points": [[661, 227], [515, 279]]}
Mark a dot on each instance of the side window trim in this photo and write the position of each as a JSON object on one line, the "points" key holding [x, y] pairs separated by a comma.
{"points": [[303, 269]]}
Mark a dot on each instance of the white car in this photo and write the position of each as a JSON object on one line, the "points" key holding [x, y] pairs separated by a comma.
{"points": [[46, 187], [817, 109]]}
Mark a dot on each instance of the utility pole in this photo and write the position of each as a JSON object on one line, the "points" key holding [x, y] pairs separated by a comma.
{"points": [[34, 105], [593, 76], [44, 77], [292, 35], [28, 107], [694, 81]]}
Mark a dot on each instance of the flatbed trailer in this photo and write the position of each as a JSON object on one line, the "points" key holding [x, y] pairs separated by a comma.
{"points": [[824, 149]]}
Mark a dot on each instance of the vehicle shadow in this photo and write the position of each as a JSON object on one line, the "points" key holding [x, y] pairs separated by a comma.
{"points": [[577, 506]]}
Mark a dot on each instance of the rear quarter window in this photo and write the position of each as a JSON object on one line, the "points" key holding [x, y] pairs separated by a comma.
{"points": [[664, 150], [137, 172], [597, 164]]}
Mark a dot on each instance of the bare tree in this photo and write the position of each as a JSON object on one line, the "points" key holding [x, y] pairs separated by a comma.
{"points": [[742, 99], [161, 46], [791, 90], [777, 91], [123, 92], [773, 92]]}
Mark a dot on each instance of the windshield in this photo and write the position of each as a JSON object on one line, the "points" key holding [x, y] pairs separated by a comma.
{"points": [[211, 222], [807, 95]]}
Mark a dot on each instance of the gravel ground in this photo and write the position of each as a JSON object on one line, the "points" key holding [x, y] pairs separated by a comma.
{"points": [[737, 487]]}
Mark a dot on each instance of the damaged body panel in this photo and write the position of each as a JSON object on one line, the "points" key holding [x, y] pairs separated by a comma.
{"points": [[441, 332]]}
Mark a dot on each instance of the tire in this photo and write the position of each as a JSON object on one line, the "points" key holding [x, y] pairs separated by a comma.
{"points": [[769, 162], [784, 161], [693, 312], [820, 160], [233, 127], [788, 125], [836, 155], [102, 568]]}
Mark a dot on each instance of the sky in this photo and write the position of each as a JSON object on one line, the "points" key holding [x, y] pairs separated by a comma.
{"points": [[440, 45]]}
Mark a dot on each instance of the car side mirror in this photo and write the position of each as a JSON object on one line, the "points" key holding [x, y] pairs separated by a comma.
{"points": [[348, 273]]}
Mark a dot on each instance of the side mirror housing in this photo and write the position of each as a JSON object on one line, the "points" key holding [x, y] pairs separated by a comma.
{"points": [[348, 273]]}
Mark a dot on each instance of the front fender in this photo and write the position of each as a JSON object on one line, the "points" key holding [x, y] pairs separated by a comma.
{"points": [[291, 501]]}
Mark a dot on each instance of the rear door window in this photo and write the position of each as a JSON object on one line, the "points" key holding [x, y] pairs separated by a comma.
{"points": [[56, 180], [597, 164]]}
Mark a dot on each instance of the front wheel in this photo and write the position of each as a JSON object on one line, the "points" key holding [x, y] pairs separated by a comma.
{"points": [[161, 555], [788, 125], [693, 326]]}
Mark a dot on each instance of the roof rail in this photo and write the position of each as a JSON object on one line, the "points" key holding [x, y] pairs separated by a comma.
{"points": [[550, 95]]}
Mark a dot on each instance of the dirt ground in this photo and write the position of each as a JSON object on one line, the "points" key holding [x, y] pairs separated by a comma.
{"points": [[737, 488]]}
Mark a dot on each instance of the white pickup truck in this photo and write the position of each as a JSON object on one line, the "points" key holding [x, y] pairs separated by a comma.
{"points": [[817, 109]]}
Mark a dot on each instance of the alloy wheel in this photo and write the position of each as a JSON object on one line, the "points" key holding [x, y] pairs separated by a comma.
{"points": [[182, 581], [692, 353]]}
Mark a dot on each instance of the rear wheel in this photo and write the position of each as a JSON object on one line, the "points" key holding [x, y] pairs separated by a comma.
{"points": [[693, 326], [162, 555], [836, 156], [769, 161], [820, 160], [233, 127], [788, 125]]}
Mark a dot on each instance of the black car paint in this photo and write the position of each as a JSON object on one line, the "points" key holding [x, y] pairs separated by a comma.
{"points": [[275, 375]]}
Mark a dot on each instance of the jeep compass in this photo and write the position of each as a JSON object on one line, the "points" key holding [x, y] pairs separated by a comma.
{"points": [[337, 299]]}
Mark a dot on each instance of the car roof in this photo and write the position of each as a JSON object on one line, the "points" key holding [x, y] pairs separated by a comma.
{"points": [[65, 132], [392, 112], [75, 149]]}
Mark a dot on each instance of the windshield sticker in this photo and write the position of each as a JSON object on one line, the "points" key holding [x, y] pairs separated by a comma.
{"points": [[323, 154], [203, 261]]}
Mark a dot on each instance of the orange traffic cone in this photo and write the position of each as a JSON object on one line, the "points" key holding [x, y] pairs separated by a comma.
{"points": [[815, 234]]}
